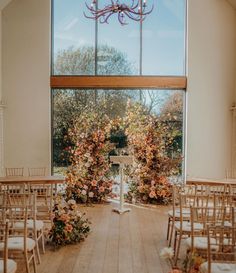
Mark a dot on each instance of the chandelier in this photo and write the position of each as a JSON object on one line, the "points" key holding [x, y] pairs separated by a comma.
{"points": [[136, 11]]}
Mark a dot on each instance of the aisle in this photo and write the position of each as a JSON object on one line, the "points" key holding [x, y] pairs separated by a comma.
{"points": [[117, 244]]}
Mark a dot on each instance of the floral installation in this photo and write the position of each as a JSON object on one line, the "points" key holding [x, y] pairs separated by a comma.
{"points": [[150, 139], [69, 224], [191, 264], [167, 253], [88, 176]]}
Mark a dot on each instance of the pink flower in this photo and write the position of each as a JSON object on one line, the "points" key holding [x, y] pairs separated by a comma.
{"points": [[101, 189], [68, 228], [94, 183], [152, 194]]}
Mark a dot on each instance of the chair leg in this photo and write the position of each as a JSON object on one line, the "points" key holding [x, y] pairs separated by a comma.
{"points": [[34, 262], [37, 251], [43, 242], [168, 229], [177, 248], [171, 232], [26, 262]]}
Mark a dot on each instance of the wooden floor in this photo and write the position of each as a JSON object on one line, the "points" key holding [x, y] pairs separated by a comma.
{"points": [[128, 243]]}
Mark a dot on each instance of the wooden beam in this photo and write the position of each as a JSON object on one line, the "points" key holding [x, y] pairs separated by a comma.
{"points": [[118, 82]]}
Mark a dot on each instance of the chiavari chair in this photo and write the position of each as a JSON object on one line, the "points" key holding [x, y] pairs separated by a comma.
{"points": [[174, 213], [19, 242], [41, 171], [182, 227], [44, 193], [14, 172], [206, 216], [35, 227], [221, 252], [6, 265]]}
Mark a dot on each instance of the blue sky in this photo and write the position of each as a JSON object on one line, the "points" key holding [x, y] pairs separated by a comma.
{"points": [[163, 32]]}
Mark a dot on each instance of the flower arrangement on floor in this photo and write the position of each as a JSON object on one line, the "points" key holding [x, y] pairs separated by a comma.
{"points": [[150, 139], [69, 224], [191, 264], [88, 177]]}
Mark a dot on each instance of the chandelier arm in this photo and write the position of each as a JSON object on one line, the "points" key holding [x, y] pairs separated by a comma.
{"points": [[133, 5], [120, 19], [105, 20], [129, 14], [142, 13]]}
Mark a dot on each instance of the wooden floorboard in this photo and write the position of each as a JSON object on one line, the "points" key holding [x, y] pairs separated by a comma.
{"points": [[128, 243]]}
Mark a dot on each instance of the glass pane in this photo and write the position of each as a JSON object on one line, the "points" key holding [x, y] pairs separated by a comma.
{"points": [[167, 105], [164, 39], [118, 46], [73, 39]]}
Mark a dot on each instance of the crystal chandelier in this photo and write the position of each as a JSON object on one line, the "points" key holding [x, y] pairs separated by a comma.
{"points": [[136, 11]]}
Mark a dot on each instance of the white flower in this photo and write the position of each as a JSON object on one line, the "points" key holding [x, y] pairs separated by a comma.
{"points": [[71, 202], [85, 187], [87, 164], [84, 192], [87, 154], [91, 194], [167, 253]]}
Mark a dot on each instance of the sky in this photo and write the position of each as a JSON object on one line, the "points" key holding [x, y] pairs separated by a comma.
{"points": [[163, 34]]}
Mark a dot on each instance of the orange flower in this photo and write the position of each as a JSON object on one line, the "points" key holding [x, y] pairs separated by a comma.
{"points": [[68, 228]]}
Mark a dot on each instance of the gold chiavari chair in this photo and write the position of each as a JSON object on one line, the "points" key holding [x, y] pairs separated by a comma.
{"points": [[20, 245], [34, 226], [174, 213], [6, 265], [230, 173], [14, 172], [221, 253], [206, 216], [182, 227], [41, 171], [44, 194]]}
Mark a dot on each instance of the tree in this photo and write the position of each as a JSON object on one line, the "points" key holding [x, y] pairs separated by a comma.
{"points": [[69, 104]]}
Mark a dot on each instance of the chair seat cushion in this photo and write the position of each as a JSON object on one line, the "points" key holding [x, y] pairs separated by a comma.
{"points": [[17, 243], [30, 224], [186, 226], [11, 266], [218, 267], [186, 213], [201, 243]]}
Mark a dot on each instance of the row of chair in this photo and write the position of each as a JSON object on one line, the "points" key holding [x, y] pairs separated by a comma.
{"points": [[21, 231], [197, 210], [20, 171]]}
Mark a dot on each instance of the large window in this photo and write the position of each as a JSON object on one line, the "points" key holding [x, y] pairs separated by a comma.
{"points": [[155, 46], [91, 62]]}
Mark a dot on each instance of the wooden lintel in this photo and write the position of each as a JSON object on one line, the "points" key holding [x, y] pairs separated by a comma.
{"points": [[118, 82]]}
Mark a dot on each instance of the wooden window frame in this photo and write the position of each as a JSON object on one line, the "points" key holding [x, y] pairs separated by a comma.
{"points": [[118, 82]]}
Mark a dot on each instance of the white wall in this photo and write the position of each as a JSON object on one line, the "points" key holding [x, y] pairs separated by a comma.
{"points": [[211, 86], [26, 92]]}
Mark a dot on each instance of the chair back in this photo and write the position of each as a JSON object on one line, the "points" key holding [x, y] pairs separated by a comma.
{"points": [[37, 171], [221, 246], [14, 172]]}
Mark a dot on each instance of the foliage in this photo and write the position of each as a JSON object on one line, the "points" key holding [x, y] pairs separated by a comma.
{"points": [[150, 139], [192, 262], [88, 177], [69, 224], [68, 104]]}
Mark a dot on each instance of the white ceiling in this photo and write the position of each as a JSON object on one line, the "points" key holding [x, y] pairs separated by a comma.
{"points": [[3, 3], [233, 3]]}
